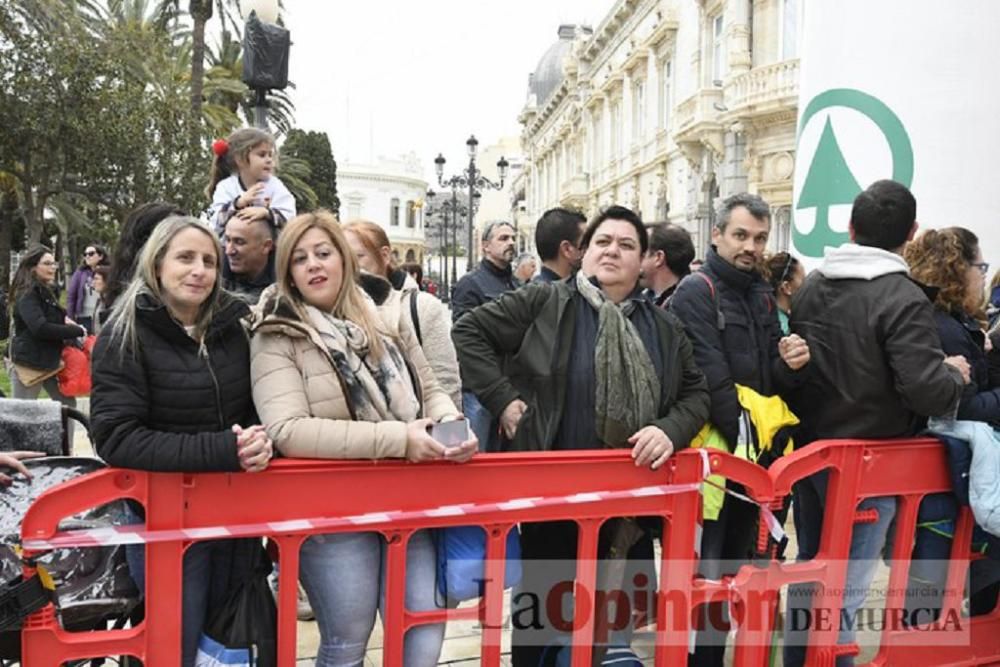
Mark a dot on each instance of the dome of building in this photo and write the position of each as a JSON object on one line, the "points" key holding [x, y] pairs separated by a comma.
{"points": [[549, 72]]}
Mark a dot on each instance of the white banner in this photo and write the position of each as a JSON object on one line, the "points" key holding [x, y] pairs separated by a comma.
{"points": [[899, 89]]}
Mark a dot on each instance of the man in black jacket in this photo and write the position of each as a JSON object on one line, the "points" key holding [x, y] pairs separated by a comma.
{"points": [[490, 281], [877, 371], [730, 315], [494, 275], [557, 239], [666, 262]]}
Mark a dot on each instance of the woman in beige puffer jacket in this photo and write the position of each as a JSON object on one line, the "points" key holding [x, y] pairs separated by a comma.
{"points": [[301, 397], [330, 381]]}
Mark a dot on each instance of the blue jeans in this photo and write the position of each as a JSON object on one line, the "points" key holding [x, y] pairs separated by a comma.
{"points": [[202, 562], [868, 541], [343, 574], [480, 421]]}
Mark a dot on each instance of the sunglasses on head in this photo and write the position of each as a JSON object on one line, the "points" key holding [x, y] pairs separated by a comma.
{"points": [[788, 266]]}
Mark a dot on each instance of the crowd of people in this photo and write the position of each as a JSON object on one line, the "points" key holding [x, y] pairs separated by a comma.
{"points": [[266, 332]]}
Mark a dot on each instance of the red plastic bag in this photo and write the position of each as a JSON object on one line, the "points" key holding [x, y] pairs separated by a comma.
{"points": [[74, 378]]}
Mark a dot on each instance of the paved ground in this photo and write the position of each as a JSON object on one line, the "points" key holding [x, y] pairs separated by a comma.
{"points": [[461, 646]]}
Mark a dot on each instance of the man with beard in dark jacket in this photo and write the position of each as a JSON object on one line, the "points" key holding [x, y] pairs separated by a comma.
{"points": [[490, 281], [730, 315], [494, 275], [877, 371]]}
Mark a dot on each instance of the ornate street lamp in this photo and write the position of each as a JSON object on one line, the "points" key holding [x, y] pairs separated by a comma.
{"points": [[472, 178], [265, 53], [441, 231]]}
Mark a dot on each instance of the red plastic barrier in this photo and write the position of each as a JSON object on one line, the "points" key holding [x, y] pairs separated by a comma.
{"points": [[295, 490]]}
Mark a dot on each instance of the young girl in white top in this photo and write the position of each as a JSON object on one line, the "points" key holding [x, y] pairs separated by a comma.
{"points": [[242, 181]]}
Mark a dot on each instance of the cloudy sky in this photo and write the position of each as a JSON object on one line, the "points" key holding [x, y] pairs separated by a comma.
{"points": [[385, 77]]}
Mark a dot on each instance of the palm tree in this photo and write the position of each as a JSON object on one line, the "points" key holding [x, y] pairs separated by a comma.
{"points": [[201, 12], [10, 208]]}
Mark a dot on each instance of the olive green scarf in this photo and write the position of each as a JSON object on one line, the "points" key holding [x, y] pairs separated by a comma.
{"points": [[628, 390]]}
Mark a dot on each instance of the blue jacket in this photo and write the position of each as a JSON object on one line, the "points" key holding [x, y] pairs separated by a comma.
{"points": [[481, 286], [984, 471]]}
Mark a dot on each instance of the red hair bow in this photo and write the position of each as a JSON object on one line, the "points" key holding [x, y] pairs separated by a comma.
{"points": [[220, 147]]}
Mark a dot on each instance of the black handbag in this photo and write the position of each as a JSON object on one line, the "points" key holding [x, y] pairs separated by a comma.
{"points": [[248, 618]]}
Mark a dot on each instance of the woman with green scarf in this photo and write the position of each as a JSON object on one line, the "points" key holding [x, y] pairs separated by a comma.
{"points": [[585, 363]]}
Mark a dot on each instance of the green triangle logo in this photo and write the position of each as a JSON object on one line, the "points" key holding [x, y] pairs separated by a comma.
{"points": [[830, 181]]}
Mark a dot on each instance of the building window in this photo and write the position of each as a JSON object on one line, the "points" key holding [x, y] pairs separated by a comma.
{"points": [[616, 124], [638, 111], [789, 29], [394, 213], [598, 144], [666, 100], [560, 164], [411, 214], [782, 229], [718, 49]]}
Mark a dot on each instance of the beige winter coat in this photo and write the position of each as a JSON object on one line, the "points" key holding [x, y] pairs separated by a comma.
{"points": [[302, 398], [435, 333]]}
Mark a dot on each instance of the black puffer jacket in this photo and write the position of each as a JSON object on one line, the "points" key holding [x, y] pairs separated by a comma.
{"points": [[40, 329], [962, 335], [171, 406], [742, 347]]}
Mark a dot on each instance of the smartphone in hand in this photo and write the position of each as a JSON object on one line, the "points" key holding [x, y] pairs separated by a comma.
{"points": [[451, 434]]}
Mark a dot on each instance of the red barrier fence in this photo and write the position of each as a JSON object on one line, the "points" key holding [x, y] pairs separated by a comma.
{"points": [[397, 499]]}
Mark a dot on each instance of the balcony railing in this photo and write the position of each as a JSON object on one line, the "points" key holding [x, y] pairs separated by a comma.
{"points": [[763, 89], [576, 186], [697, 109]]}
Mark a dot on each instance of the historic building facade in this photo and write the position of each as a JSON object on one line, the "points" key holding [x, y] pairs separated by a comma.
{"points": [[666, 107], [390, 193]]}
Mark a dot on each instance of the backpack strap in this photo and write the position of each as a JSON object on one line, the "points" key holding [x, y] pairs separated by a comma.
{"points": [[415, 317], [708, 281], [720, 319]]}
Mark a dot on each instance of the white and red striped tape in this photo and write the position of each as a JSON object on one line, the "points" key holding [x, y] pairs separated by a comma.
{"points": [[135, 535], [117, 535]]}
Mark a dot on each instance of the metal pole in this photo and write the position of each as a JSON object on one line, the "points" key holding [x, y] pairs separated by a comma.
{"points": [[472, 188], [444, 252], [260, 109], [454, 237]]}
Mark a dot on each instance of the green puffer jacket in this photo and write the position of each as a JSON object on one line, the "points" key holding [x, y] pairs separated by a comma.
{"points": [[518, 346]]}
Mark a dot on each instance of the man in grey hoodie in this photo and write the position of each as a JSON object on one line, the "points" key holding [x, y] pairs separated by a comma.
{"points": [[877, 371]]}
